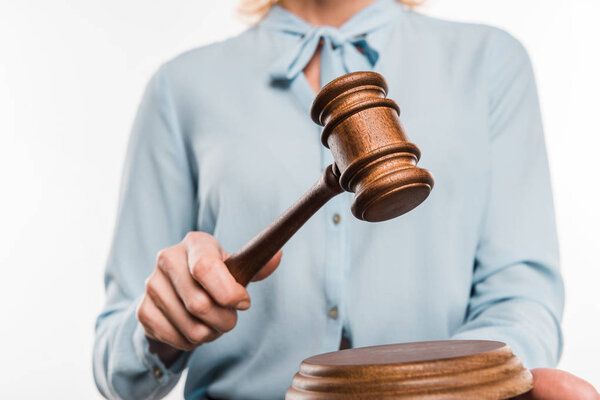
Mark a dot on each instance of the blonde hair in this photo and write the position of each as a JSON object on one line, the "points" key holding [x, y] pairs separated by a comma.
{"points": [[254, 10]]}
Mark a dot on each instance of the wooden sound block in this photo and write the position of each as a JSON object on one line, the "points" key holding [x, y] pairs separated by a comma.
{"points": [[452, 369]]}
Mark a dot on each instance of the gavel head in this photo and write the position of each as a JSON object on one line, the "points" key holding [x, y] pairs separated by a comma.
{"points": [[373, 157]]}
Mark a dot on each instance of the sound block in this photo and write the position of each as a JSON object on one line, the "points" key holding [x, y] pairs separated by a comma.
{"points": [[451, 369]]}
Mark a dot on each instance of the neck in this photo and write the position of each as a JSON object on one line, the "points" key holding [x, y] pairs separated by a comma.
{"points": [[325, 12]]}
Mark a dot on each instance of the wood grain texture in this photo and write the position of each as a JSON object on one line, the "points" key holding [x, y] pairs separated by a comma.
{"points": [[247, 261], [373, 159], [370, 148], [461, 369]]}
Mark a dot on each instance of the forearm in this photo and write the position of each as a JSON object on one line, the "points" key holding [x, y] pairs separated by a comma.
{"points": [[527, 326]]}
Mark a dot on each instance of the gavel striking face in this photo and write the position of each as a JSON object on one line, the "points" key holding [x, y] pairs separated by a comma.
{"points": [[373, 159]]}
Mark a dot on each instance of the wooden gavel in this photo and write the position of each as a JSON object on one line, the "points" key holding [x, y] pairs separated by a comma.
{"points": [[372, 158]]}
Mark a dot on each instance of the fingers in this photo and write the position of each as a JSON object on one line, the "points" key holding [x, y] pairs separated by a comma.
{"points": [[191, 297], [183, 300], [205, 260], [269, 268], [196, 331], [554, 384], [158, 327]]}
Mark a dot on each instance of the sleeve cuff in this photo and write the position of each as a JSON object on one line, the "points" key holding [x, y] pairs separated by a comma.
{"points": [[161, 373]]}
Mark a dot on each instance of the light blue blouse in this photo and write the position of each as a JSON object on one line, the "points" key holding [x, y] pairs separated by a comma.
{"points": [[223, 143]]}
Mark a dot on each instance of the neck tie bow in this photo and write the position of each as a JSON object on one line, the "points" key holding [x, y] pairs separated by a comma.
{"points": [[344, 49]]}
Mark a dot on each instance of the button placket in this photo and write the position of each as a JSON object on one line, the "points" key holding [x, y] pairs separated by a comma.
{"points": [[334, 261], [157, 372], [333, 312], [336, 219]]}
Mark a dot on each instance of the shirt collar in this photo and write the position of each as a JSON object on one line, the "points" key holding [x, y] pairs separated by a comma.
{"points": [[364, 30]]}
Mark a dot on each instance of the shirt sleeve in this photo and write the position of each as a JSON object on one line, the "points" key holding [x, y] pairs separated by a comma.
{"points": [[156, 209], [517, 293]]}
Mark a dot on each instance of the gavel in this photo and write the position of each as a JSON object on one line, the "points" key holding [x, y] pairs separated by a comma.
{"points": [[372, 158]]}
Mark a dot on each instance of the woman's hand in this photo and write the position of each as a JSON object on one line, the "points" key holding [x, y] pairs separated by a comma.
{"points": [[554, 384], [191, 297]]}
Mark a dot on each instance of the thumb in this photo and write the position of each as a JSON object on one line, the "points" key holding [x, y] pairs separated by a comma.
{"points": [[269, 267], [554, 384]]}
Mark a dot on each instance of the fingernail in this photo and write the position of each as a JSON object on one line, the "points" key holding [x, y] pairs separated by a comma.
{"points": [[243, 305]]}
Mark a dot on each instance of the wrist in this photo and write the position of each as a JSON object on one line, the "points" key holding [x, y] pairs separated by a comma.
{"points": [[166, 353]]}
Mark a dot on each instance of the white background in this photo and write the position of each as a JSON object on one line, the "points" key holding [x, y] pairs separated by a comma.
{"points": [[71, 76]]}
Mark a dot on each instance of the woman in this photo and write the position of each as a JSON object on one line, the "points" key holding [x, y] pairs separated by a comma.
{"points": [[222, 144]]}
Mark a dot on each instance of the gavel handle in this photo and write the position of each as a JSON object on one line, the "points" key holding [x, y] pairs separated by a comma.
{"points": [[248, 260]]}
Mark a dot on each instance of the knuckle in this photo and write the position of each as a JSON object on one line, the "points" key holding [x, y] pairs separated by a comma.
{"points": [[203, 266], [230, 322], [151, 287], [199, 305], [164, 259], [190, 236], [198, 333], [196, 236], [142, 315], [147, 323]]}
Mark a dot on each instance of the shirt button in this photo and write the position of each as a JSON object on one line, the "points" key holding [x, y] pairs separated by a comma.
{"points": [[157, 372], [336, 218], [333, 312]]}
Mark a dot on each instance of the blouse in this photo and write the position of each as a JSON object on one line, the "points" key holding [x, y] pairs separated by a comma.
{"points": [[223, 143]]}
